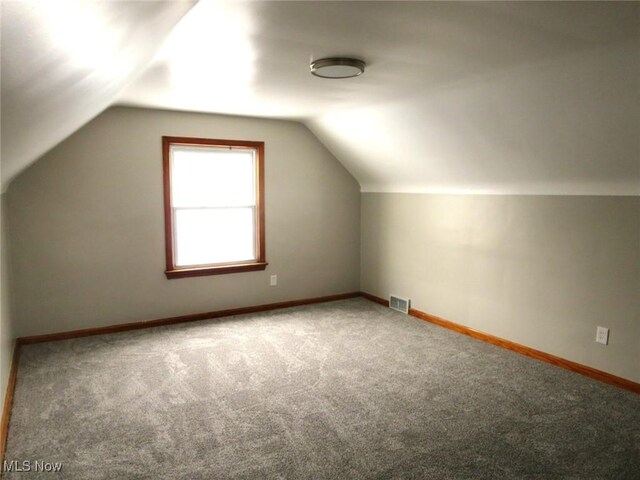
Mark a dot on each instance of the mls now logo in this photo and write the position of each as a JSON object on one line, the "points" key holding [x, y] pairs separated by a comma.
{"points": [[29, 466]]}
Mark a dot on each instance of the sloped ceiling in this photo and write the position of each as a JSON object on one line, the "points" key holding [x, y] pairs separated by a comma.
{"points": [[64, 62], [478, 97]]}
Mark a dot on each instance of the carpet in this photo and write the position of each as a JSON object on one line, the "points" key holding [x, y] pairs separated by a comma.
{"points": [[346, 389]]}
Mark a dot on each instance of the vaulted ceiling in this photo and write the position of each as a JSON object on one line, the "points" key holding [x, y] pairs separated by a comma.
{"points": [[477, 97]]}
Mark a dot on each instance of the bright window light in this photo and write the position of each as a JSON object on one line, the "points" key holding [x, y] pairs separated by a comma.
{"points": [[212, 177], [214, 214], [217, 235]]}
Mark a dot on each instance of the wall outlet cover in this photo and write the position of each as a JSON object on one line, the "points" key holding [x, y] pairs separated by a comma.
{"points": [[602, 335]]}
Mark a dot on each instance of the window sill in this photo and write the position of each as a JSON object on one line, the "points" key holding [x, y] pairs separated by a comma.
{"points": [[220, 270]]}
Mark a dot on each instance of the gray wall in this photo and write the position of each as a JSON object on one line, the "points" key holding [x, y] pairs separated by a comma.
{"points": [[87, 224], [542, 271], [7, 334]]}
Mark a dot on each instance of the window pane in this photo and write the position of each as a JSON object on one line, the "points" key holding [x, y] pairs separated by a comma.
{"points": [[212, 177], [207, 236]]}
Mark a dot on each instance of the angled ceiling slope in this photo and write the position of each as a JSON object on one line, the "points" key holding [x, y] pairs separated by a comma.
{"points": [[469, 97], [64, 62], [473, 97]]}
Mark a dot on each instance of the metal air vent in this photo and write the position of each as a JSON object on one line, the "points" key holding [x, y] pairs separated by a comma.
{"points": [[400, 304]]}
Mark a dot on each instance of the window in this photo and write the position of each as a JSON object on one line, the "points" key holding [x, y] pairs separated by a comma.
{"points": [[214, 206]]}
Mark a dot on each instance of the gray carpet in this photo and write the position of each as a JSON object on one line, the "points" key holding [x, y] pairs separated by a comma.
{"points": [[346, 389]]}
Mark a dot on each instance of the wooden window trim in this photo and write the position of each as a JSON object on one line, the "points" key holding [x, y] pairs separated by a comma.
{"points": [[181, 272]]}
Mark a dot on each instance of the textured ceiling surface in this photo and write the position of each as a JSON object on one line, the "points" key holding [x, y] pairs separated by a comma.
{"points": [[474, 97]]}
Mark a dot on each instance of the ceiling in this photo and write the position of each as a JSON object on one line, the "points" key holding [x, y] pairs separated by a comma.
{"points": [[470, 97], [64, 62]]}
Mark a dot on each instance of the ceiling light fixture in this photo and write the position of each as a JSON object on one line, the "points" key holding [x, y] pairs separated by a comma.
{"points": [[337, 67]]}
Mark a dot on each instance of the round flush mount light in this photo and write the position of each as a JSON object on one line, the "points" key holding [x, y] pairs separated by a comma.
{"points": [[337, 67]]}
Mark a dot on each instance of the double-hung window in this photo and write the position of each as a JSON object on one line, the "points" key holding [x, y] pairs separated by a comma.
{"points": [[214, 206]]}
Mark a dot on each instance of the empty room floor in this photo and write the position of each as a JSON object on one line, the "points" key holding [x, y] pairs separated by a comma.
{"points": [[346, 389]]}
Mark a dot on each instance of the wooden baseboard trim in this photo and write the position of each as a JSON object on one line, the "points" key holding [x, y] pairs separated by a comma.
{"points": [[8, 403], [516, 347], [373, 298], [123, 327]]}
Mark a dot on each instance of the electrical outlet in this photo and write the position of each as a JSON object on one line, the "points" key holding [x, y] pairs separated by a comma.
{"points": [[602, 335], [274, 280]]}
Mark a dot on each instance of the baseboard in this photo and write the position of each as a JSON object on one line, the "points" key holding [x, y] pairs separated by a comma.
{"points": [[373, 298], [8, 403], [516, 347], [123, 327]]}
